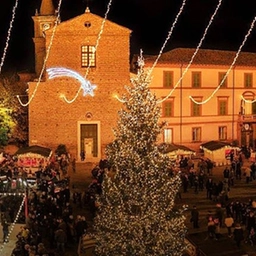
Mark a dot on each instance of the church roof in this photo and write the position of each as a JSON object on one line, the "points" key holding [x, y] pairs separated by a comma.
{"points": [[90, 23], [203, 57]]}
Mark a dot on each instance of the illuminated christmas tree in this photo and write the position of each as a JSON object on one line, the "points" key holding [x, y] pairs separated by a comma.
{"points": [[137, 214]]}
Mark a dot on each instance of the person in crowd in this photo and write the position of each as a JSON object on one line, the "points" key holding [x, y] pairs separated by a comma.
{"points": [[247, 174], [229, 222], [5, 228], [60, 237], [73, 163], [226, 173], [211, 228], [82, 155], [209, 185], [238, 234], [210, 166], [219, 214], [195, 217], [250, 223]]}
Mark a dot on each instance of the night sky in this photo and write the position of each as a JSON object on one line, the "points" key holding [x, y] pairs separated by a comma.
{"points": [[150, 21]]}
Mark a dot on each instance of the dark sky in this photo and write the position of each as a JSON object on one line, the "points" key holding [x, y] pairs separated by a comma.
{"points": [[150, 21]]}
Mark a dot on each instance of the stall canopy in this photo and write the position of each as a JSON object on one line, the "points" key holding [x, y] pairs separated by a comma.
{"points": [[175, 150], [33, 156], [219, 151]]}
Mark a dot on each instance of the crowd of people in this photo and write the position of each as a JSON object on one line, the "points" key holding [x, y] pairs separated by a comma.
{"points": [[49, 224], [237, 217]]}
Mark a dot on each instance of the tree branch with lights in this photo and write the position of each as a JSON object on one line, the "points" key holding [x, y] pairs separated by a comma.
{"points": [[137, 213]]}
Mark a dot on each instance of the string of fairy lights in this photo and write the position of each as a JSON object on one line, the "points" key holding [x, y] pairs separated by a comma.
{"points": [[194, 54], [1, 65], [168, 36], [46, 58], [247, 101], [8, 34], [228, 71], [163, 46], [15, 220]]}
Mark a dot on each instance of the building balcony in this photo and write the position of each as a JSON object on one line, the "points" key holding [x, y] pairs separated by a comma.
{"points": [[247, 118]]}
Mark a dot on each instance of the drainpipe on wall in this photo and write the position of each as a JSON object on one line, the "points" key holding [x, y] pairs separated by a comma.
{"points": [[181, 104], [233, 104]]}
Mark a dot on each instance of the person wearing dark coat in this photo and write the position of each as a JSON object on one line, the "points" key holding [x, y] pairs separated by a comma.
{"points": [[60, 239], [238, 234], [195, 217]]}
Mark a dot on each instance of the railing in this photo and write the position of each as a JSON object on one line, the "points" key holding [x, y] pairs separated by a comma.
{"points": [[251, 117]]}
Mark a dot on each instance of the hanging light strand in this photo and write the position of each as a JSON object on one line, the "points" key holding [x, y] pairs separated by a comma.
{"points": [[164, 44], [13, 224], [248, 101], [46, 58], [8, 35], [231, 66], [168, 36], [195, 53], [95, 49]]}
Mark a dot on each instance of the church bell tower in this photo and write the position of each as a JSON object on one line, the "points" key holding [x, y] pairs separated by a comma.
{"points": [[43, 20]]}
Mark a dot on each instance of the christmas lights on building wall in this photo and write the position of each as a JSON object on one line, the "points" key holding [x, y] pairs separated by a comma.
{"points": [[231, 66], [56, 72], [88, 68], [163, 46], [194, 54]]}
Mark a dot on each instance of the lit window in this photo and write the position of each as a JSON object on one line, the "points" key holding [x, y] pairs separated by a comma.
{"points": [[253, 108], [196, 79], [223, 106], [168, 79], [248, 80], [88, 56], [196, 134], [167, 108], [168, 135], [222, 132], [225, 82], [196, 109]]}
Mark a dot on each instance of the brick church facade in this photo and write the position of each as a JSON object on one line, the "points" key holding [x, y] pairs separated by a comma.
{"points": [[87, 122]]}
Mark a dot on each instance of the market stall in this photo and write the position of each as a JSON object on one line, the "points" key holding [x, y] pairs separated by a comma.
{"points": [[33, 156], [219, 151], [175, 151]]}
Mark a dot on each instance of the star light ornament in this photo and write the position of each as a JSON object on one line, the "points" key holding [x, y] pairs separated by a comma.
{"points": [[65, 72]]}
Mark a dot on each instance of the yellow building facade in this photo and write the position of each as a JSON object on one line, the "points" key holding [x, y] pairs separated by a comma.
{"points": [[208, 98]]}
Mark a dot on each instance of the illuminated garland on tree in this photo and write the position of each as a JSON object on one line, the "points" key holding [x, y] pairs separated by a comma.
{"points": [[137, 214]]}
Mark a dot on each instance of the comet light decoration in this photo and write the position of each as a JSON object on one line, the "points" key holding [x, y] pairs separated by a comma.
{"points": [[14, 223], [164, 44], [8, 35], [64, 72], [57, 20], [95, 49], [195, 53], [231, 66]]}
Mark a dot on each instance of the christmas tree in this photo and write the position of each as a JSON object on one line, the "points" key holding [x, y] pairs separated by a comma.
{"points": [[137, 214]]}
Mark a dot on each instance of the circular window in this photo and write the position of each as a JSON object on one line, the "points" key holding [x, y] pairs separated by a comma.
{"points": [[87, 24]]}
